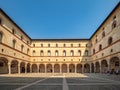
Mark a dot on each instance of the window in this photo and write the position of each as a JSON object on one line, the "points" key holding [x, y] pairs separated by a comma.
{"points": [[64, 53], [49, 53], [114, 24], [71, 45], [13, 31], [93, 51], [41, 53], [33, 45], [1, 64], [103, 34], [86, 52], [64, 45], [28, 50], [1, 35], [56, 45], [100, 47], [110, 41], [86, 45], [14, 43], [96, 40], [71, 53], [41, 45], [34, 52], [48, 45], [21, 37], [79, 45], [22, 47], [56, 53], [79, 53]]}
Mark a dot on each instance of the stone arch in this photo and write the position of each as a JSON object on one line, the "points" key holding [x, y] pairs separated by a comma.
{"points": [[64, 68], [42, 68], [49, 68], [22, 67], [92, 68], [3, 65], [14, 66], [28, 67], [34, 68], [87, 68], [97, 64], [104, 66], [71, 68], [79, 68], [114, 64], [56, 68]]}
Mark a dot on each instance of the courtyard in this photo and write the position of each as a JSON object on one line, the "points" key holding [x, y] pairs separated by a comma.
{"points": [[60, 81]]}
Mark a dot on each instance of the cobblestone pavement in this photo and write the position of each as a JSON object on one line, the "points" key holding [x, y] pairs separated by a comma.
{"points": [[60, 82]]}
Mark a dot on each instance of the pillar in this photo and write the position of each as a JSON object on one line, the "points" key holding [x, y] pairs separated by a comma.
{"points": [[90, 68], [9, 67], [60, 68], [30, 68], [18, 67], [25, 67], [100, 67], [108, 62], [94, 68], [45, 69], [75, 68], [67, 68], [37, 68], [52, 68], [82, 68]]}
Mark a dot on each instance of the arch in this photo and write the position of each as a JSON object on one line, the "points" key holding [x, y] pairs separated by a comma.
{"points": [[114, 64], [3, 65], [104, 66], [22, 67], [79, 68], [71, 68], [14, 43], [103, 34], [49, 68], [86, 52], [56, 53], [79, 52], [71, 53], [64, 68], [56, 68], [110, 40], [42, 68], [64, 53], [28, 67], [49, 53], [34, 68], [14, 66], [33, 53], [92, 68], [41, 53], [1, 36], [97, 64], [114, 24], [100, 47], [87, 68]]}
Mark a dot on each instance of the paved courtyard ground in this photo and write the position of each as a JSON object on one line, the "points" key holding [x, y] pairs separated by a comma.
{"points": [[59, 82]]}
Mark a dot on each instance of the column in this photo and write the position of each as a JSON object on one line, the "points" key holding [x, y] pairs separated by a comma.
{"points": [[94, 68], [67, 68], [45, 69], [18, 67], [31, 68], [108, 62], [100, 67], [37, 68], [90, 68], [52, 68], [82, 68], [75, 68], [9, 67], [25, 67], [60, 69]]}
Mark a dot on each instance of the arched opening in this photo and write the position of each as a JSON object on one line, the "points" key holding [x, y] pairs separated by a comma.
{"points": [[87, 68], [34, 68], [1, 36], [86, 52], [97, 67], [56, 68], [104, 66], [79, 68], [71, 53], [92, 67], [14, 66], [114, 64], [49, 68], [64, 53], [42, 68], [56, 53], [28, 68], [64, 68], [110, 40], [79, 53], [114, 24], [3, 65], [71, 68], [22, 67]]}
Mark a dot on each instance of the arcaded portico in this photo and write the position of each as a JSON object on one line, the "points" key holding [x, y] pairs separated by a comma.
{"points": [[98, 54]]}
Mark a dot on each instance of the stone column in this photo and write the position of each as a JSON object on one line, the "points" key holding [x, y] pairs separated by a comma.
{"points": [[37, 68], [75, 68], [108, 62], [67, 68], [18, 67], [9, 67], [100, 67], [52, 68], [90, 68], [31, 68], [25, 67], [94, 68], [45, 68], [60, 69], [82, 68]]}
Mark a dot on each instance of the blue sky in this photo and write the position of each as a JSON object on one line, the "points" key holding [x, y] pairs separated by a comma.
{"points": [[58, 19]]}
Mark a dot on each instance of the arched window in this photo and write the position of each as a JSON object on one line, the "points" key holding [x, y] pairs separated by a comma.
{"points": [[96, 40], [56, 45], [14, 43], [86, 52], [110, 41], [28, 50], [34, 53], [64, 53], [56, 53], [114, 24], [93, 51], [22, 47], [1, 35], [0, 21], [79, 53], [64, 45], [41, 53], [100, 47], [103, 34], [71, 45], [13, 31], [49, 53], [71, 53]]}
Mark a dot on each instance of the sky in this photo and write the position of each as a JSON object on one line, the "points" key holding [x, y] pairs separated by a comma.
{"points": [[58, 19]]}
